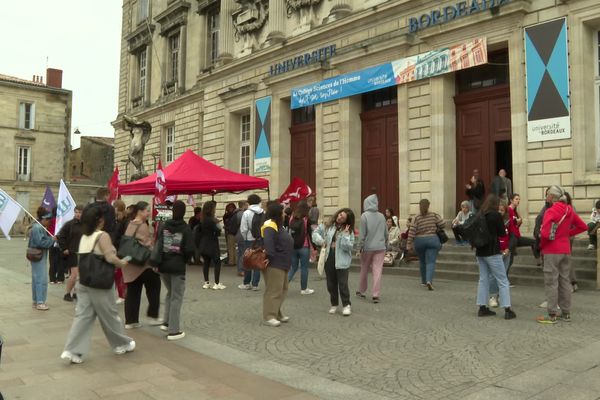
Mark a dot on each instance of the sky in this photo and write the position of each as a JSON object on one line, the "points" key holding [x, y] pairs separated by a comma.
{"points": [[81, 37]]}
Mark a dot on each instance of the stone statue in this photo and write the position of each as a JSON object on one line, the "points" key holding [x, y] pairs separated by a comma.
{"points": [[140, 134]]}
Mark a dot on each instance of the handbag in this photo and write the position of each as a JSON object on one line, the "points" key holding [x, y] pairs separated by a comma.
{"points": [[441, 234], [33, 254], [94, 271], [254, 258], [131, 247], [321, 262]]}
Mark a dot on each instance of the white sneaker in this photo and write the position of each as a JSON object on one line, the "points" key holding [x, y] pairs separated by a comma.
{"points": [[255, 288], [307, 291], [332, 310], [155, 321], [74, 358], [285, 318], [175, 336], [120, 301], [164, 327], [244, 287], [591, 247], [125, 348], [272, 322], [218, 286], [493, 303], [544, 304], [346, 311], [206, 285], [133, 326]]}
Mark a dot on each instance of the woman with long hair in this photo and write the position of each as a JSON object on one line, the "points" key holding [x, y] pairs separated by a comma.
{"points": [[40, 239], [210, 230], [389, 213], [490, 261], [141, 276], [515, 238], [93, 302], [300, 228], [230, 210], [393, 235], [337, 235], [422, 237], [279, 246], [503, 240]]}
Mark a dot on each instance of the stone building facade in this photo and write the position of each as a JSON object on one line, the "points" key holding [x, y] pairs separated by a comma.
{"points": [[195, 70], [93, 161], [35, 122]]}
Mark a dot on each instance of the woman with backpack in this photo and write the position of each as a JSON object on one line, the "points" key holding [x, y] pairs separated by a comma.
{"points": [[210, 230], [299, 228], [489, 257]]}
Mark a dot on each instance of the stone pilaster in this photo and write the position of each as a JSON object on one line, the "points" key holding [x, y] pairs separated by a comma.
{"points": [[276, 23], [226, 31], [339, 10]]}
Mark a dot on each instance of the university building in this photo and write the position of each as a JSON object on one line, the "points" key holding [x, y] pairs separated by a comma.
{"points": [[395, 97]]}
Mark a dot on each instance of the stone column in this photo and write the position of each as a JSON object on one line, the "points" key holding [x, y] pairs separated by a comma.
{"points": [[339, 10], [276, 23], [226, 31]]}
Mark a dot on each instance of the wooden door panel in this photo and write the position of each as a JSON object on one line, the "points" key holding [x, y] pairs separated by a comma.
{"points": [[303, 153], [472, 122], [500, 119]]}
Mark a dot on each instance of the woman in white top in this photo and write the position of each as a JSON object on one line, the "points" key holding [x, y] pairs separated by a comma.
{"points": [[92, 303]]}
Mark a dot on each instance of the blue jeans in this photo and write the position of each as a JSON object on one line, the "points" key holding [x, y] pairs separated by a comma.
{"points": [[300, 257], [492, 267], [249, 275], [427, 248], [39, 280], [493, 283]]}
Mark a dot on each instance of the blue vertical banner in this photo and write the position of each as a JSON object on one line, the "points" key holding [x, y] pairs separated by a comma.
{"points": [[547, 68], [262, 155]]}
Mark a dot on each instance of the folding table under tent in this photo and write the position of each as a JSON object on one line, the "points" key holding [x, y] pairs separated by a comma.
{"points": [[192, 174]]}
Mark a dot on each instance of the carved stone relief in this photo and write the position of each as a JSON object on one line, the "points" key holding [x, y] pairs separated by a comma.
{"points": [[140, 134], [306, 14], [250, 17]]}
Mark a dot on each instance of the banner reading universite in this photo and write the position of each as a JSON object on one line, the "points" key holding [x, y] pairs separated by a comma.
{"points": [[547, 67], [409, 69]]}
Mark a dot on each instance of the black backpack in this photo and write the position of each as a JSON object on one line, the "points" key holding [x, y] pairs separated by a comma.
{"points": [[476, 231], [233, 225], [257, 222], [298, 233]]}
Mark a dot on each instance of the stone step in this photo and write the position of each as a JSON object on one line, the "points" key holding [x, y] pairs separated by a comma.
{"points": [[527, 259]]}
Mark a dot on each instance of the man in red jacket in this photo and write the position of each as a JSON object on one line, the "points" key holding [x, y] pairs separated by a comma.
{"points": [[559, 224]]}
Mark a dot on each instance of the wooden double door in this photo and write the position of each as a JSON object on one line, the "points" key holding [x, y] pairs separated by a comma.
{"points": [[483, 136], [380, 165], [303, 164]]}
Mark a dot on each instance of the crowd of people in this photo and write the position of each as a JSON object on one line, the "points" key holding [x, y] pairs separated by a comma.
{"points": [[292, 239]]}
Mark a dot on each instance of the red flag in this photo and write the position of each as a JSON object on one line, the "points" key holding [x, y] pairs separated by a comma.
{"points": [[113, 186], [296, 191], [160, 189]]}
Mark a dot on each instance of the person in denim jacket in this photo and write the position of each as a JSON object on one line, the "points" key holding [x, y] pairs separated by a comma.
{"points": [[40, 239], [337, 235]]}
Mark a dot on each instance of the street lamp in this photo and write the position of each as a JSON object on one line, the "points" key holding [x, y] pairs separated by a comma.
{"points": [[154, 155], [77, 132]]}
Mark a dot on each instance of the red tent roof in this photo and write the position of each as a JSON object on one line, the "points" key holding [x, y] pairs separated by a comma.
{"points": [[190, 174]]}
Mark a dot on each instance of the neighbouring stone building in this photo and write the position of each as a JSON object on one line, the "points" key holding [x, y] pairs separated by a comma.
{"points": [[242, 83], [93, 161]]}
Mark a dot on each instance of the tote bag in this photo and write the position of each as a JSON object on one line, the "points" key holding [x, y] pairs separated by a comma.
{"points": [[94, 271], [131, 247]]}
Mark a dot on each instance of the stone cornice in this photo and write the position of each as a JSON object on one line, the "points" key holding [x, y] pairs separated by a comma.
{"points": [[140, 37], [296, 5], [173, 17], [234, 91], [203, 5]]}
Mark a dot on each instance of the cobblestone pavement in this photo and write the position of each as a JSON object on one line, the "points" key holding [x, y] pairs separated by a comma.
{"points": [[415, 344]]}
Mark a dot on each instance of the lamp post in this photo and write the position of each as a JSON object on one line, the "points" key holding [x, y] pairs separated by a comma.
{"points": [[154, 155]]}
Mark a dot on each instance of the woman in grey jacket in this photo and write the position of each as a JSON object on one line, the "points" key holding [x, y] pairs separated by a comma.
{"points": [[373, 241], [338, 238]]}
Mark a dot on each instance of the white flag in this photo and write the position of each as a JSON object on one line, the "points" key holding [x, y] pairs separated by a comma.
{"points": [[9, 212], [65, 207]]}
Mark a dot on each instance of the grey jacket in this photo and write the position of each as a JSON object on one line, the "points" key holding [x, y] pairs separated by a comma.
{"points": [[373, 234]]}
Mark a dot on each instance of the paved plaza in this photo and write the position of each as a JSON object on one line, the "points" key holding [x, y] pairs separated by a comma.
{"points": [[415, 344]]}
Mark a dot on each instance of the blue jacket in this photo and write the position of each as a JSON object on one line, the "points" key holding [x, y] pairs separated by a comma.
{"points": [[344, 244], [39, 238]]}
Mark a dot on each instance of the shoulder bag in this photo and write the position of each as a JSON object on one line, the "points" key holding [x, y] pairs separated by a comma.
{"points": [[130, 246], [33, 254], [254, 258], [441, 234], [94, 271]]}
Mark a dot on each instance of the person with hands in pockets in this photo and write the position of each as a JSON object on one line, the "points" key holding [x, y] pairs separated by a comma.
{"points": [[337, 236]]}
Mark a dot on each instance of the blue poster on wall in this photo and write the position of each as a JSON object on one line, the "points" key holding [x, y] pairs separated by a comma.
{"points": [[547, 68], [262, 155]]}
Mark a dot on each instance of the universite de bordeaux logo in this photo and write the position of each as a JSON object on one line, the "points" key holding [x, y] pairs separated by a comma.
{"points": [[63, 207]]}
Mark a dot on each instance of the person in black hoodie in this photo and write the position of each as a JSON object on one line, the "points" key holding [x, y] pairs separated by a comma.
{"points": [[174, 249], [209, 231], [68, 240], [490, 261], [108, 212], [475, 190]]}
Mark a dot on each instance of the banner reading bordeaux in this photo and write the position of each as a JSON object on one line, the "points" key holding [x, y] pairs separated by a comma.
{"points": [[413, 68]]}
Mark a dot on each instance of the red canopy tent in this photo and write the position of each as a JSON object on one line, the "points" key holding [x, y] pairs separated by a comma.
{"points": [[192, 174]]}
